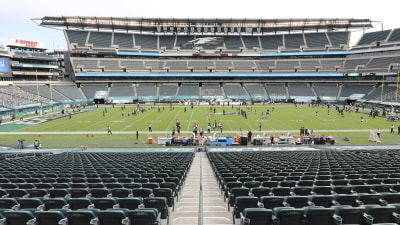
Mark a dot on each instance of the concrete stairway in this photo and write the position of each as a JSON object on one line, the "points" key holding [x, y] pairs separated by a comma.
{"points": [[200, 201]]}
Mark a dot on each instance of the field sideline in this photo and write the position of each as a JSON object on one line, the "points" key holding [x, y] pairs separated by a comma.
{"points": [[284, 118]]}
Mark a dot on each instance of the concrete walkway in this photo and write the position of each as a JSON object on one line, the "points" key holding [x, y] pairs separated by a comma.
{"points": [[200, 201]]}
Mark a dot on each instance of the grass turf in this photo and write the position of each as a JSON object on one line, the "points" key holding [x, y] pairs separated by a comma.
{"points": [[284, 117]]}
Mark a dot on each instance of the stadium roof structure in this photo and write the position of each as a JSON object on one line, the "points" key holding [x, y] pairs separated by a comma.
{"points": [[196, 26]]}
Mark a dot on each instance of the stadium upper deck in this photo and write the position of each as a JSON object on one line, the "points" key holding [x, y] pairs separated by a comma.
{"points": [[217, 48]]}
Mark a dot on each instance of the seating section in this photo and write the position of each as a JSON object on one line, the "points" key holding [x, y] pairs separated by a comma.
{"points": [[395, 35], [287, 65], [100, 39], [110, 65], [146, 91], [90, 89], [121, 90], [276, 90], [349, 89], [294, 41], [78, 37], [123, 40], [351, 64], [235, 91], [233, 42], [87, 64], [239, 65], [371, 37], [310, 187], [167, 90], [211, 90], [338, 38], [132, 65], [388, 93], [80, 188], [268, 42], [15, 96], [184, 42], [326, 90], [71, 91], [383, 62], [316, 40], [44, 91], [251, 42], [300, 90], [330, 65], [201, 65], [271, 42], [187, 91], [255, 90], [176, 65], [146, 41]]}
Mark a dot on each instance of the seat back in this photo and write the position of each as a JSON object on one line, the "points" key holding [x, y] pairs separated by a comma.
{"points": [[130, 203], [143, 216], [48, 217], [111, 217], [318, 216], [18, 217], [79, 203], [158, 203], [351, 215], [80, 217], [271, 202], [258, 216], [242, 202], [381, 214], [289, 216]]}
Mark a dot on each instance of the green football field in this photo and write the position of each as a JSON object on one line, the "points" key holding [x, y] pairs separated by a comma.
{"points": [[90, 128]]}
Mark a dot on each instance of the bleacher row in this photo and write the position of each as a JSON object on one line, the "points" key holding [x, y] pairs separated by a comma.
{"points": [[154, 42], [30, 93], [192, 91], [91, 188], [15, 96], [310, 187], [224, 66], [380, 36]]}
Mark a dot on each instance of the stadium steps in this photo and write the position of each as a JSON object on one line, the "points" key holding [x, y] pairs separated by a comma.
{"points": [[108, 92], [177, 91], [265, 92], [135, 91], [287, 92], [83, 93], [157, 91], [223, 91], [313, 90], [200, 198], [200, 92], [339, 92], [245, 90], [55, 90], [372, 90]]}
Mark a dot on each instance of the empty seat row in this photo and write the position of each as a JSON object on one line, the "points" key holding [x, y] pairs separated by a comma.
{"points": [[316, 215], [84, 203], [94, 192], [145, 216]]}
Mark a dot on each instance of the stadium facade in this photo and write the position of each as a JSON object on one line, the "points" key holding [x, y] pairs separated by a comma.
{"points": [[161, 59]]}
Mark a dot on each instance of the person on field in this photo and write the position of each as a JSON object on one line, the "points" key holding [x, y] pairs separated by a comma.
{"points": [[150, 128], [109, 130]]}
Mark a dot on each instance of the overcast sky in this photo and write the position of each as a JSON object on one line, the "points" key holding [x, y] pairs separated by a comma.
{"points": [[15, 17]]}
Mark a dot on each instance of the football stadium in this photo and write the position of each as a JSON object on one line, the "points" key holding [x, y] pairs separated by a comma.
{"points": [[169, 121]]}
